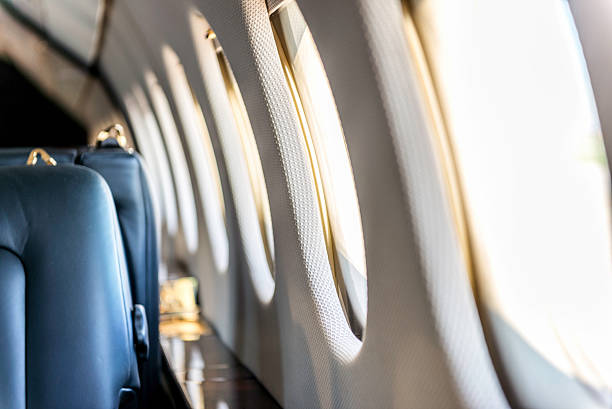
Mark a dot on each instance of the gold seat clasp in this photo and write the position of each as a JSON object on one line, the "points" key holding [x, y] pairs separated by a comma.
{"points": [[38, 152], [114, 131]]}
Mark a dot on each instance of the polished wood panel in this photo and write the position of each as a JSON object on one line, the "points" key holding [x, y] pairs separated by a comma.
{"points": [[210, 375]]}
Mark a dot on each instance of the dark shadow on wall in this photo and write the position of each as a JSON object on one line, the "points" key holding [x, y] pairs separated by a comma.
{"points": [[30, 118]]}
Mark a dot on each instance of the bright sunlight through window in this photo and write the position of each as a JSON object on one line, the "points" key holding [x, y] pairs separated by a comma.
{"points": [[202, 158], [249, 149], [521, 121], [329, 159]]}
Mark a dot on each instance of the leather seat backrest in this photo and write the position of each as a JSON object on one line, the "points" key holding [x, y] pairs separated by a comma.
{"points": [[65, 308], [124, 173]]}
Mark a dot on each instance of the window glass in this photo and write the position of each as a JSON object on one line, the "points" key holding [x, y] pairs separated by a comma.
{"points": [[241, 154], [154, 153], [202, 157], [530, 160], [182, 181], [328, 157], [249, 151]]}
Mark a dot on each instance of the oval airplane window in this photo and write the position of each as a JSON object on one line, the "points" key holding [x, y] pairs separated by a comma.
{"points": [[155, 155], [329, 159], [177, 163], [242, 156], [202, 158], [531, 171], [158, 197]]}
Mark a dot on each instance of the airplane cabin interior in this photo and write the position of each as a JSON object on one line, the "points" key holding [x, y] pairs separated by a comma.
{"points": [[302, 204]]}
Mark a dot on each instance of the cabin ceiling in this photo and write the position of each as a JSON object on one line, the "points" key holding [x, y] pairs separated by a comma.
{"points": [[76, 24]]}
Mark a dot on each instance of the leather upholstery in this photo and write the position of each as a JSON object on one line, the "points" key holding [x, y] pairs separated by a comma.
{"points": [[123, 171], [65, 307], [124, 174]]}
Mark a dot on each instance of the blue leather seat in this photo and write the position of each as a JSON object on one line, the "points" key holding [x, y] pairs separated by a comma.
{"points": [[66, 335], [124, 174]]}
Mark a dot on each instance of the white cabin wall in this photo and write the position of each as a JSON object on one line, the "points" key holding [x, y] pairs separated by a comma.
{"points": [[299, 344], [422, 321]]}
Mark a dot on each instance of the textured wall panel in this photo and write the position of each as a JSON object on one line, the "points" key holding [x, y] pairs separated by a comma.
{"points": [[423, 346]]}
